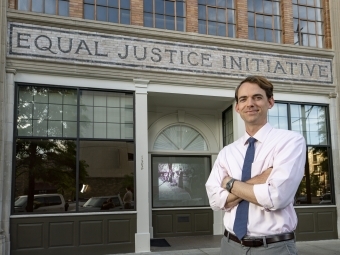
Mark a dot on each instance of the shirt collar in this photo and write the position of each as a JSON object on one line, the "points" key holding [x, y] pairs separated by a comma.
{"points": [[260, 135]]}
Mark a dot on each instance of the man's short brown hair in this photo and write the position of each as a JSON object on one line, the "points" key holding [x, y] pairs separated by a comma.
{"points": [[263, 83]]}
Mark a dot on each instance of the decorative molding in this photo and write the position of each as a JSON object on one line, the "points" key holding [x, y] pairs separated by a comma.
{"points": [[11, 70], [333, 95]]}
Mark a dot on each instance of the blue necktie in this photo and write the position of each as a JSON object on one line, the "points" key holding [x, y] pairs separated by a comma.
{"points": [[241, 219]]}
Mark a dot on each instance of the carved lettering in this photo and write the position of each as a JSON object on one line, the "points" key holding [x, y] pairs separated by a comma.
{"points": [[232, 61], [279, 66], [135, 53], [96, 51], [322, 69], [81, 47], [69, 45], [207, 57], [189, 58], [171, 51], [157, 54], [126, 53], [19, 45]]}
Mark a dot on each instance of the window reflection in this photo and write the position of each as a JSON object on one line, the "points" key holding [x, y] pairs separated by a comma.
{"points": [[217, 17], [165, 14], [264, 20], [117, 11], [311, 121], [45, 176], [315, 187], [54, 7], [308, 23], [109, 182]]}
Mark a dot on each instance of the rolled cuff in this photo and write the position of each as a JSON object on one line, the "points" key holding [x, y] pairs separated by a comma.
{"points": [[262, 195]]}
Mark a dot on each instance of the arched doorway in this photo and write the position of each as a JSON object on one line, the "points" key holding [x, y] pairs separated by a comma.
{"points": [[179, 202]]}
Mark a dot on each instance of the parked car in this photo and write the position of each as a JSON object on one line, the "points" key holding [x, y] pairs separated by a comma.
{"points": [[326, 199], [113, 202], [43, 203]]}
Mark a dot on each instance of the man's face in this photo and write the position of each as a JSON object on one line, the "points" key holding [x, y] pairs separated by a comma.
{"points": [[253, 104]]}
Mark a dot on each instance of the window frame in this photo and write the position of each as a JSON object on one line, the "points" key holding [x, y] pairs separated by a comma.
{"points": [[174, 15], [95, 5], [76, 139], [30, 4], [328, 148], [274, 31], [318, 34], [226, 23]]}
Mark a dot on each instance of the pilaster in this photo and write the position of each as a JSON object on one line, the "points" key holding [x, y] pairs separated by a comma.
{"points": [[142, 237]]}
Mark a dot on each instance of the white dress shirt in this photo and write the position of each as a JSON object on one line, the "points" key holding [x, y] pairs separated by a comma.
{"points": [[283, 150]]}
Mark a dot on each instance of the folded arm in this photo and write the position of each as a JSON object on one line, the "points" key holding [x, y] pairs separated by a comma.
{"points": [[244, 190]]}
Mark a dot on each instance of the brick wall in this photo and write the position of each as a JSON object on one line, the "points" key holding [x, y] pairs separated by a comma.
{"points": [[76, 8], [192, 16], [287, 22], [136, 12], [241, 19], [327, 25]]}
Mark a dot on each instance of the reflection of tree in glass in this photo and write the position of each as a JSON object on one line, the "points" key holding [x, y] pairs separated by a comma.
{"points": [[49, 161]]}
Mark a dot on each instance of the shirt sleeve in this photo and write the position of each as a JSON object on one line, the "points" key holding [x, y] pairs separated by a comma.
{"points": [[288, 169], [216, 194]]}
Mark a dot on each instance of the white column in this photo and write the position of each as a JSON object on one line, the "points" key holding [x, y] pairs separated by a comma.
{"points": [[334, 128], [142, 237], [334, 113], [218, 226], [6, 161]]}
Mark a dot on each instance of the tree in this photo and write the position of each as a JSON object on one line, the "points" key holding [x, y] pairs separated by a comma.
{"points": [[48, 161]]}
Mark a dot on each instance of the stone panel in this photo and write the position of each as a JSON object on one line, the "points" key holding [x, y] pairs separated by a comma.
{"points": [[73, 46]]}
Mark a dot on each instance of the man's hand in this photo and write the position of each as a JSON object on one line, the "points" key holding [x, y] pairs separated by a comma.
{"points": [[232, 199]]}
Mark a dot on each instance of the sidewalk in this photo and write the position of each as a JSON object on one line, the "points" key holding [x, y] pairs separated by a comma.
{"points": [[209, 245]]}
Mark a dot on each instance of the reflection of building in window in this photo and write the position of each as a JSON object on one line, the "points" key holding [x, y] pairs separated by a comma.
{"points": [[116, 11], [264, 20], [167, 14], [312, 122], [217, 18], [55, 7], [308, 24]]}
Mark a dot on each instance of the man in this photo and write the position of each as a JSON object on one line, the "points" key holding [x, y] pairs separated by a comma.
{"points": [[259, 215]]}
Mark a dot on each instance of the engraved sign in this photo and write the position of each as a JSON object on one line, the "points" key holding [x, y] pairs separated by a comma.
{"points": [[74, 46]]}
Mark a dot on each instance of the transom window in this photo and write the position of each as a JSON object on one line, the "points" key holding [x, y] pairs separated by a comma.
{"points": [[167, 14], [264, 20], [55, 7], [308, 25], [216, 17], [116, 11], [180, 137]]}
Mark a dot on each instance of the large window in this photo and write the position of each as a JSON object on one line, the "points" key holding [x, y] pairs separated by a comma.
{"points": [[167, 14], [308, 25], [74, 150], [179, 181], [116, 11], [264, 20], [56, 7], [312, 122], [216, 17]]}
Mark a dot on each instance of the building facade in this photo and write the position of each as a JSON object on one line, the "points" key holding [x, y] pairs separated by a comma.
{"points": [[114, 111]]}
